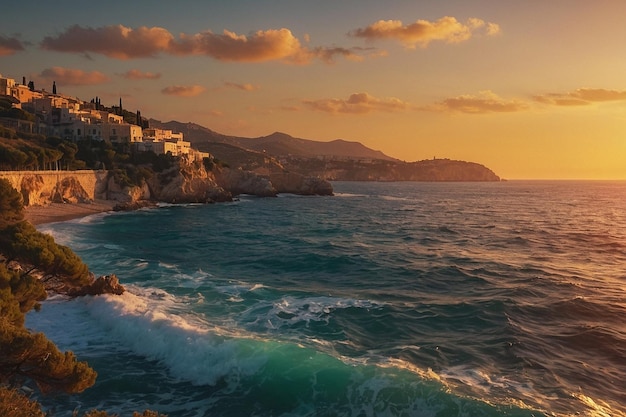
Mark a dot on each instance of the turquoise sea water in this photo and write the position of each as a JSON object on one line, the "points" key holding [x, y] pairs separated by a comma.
{"points": [[387, 299]]}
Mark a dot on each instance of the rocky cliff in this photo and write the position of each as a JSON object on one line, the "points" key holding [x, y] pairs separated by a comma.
{"points": [[240, 181], [294, 183], [185, 182], [44, 187]]}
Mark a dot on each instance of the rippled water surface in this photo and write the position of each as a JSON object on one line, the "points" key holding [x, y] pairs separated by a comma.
{"points": [[388, 299]]}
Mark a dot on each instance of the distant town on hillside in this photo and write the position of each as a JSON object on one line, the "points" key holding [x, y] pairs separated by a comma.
{"points": [[47, 113]]}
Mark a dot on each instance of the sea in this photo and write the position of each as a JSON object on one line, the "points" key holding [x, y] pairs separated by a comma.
{"points": [[386, 299]]}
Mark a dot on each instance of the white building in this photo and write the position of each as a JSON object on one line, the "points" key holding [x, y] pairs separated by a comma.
{"points": [[122, 132], [161, 134]]}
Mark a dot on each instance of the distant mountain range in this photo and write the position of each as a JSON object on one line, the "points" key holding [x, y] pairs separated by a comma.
{"points": [[339, 159], [276, 144]]}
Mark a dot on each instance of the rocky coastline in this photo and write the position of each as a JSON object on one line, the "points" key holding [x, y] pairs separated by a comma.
{"points": [[72, 193]]}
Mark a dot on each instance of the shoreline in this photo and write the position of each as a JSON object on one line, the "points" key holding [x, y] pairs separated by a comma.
{"points": [[60, 212]]}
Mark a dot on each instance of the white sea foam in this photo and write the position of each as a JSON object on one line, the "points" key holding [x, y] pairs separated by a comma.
{"points": [[291, 310], [349, 195], [187, 346], [93, 218], [167, 266], [237, 288], [394, 198], [488, 385]]}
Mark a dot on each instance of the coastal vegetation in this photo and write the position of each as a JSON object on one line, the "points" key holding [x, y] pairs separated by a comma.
{"points": [[29, 361], [7, 110]]}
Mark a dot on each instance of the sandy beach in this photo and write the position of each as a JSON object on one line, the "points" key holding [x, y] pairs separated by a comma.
{"points": [[59, 212]]}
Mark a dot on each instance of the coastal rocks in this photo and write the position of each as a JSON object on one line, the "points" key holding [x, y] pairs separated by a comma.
{"points": [[238, 181], [187, 183], [291, 182], [133, 205], [126, 194], [106, 284]]}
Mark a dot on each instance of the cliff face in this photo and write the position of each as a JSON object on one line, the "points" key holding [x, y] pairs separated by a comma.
{"points": [[291, 182], [239, 181], [44, 187], [186, 183], [183, 183]]}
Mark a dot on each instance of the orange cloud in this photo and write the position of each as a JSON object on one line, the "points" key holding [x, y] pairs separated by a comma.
{"points": [[422, 32], [484, 102], [183, 90], [269, 45], [68, 76], [327, 54], [135, 74], [121, 42], [581, 97], [358, 103], [243, 87], [115, 41], [9, 46]]}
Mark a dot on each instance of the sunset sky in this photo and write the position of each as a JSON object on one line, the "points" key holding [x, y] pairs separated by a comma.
{"points": [[531, 89]]}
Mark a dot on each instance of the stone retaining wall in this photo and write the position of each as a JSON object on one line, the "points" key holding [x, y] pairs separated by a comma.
{"points": [[44, 187]]}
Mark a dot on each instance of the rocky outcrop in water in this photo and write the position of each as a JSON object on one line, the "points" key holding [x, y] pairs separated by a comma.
{"points": [[187, 183], [191, 182], [106, 284], [291, 182], [239, 181]]}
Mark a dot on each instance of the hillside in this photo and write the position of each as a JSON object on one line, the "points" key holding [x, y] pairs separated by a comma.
{"points": [[338, 160], [439, 170], [277, 144]]}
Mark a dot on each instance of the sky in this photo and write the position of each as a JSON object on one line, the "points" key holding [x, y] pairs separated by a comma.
{"points": [[531, 89]]}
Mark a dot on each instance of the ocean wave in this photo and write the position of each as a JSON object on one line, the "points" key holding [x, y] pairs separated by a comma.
{"points": [[281, 376]]}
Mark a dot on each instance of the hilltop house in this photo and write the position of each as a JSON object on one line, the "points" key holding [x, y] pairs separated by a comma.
{"points": [[162, 141]]}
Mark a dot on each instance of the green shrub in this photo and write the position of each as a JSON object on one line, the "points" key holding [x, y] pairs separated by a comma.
{"points": [[24, 243]]}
